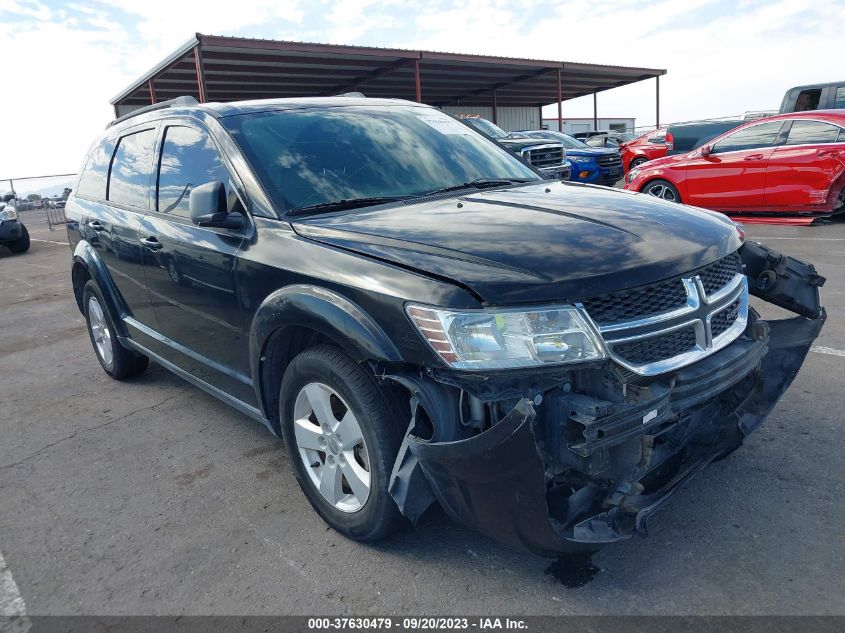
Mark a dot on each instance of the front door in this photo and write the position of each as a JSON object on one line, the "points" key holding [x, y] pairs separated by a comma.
{"points": [[733, 176], [190, 270]]}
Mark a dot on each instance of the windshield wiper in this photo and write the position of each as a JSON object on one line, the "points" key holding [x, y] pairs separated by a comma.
{"points": [[480, 183], [351, 203]]}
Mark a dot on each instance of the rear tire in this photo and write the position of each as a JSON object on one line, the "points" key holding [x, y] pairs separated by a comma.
{"points": [[342, 441], [20, 245], [662, 189], [117, 361]]}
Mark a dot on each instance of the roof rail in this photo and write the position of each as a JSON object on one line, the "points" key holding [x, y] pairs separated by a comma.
{"points": [[170, 103]]}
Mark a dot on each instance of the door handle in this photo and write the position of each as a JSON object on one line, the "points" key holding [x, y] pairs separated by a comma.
{"points": [[830, 152], [151, 242], [754, 157], [95, 225]]}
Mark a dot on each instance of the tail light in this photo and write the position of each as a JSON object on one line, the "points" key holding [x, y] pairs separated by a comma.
{"points": [[670, 142]]}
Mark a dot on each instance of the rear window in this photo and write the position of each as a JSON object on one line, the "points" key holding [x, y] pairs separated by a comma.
{"points": [[92, 182], [808, 100], [130, 169], [812, 132]]}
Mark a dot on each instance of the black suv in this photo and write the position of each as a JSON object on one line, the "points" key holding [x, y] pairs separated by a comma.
{"points": [[422, 317]]}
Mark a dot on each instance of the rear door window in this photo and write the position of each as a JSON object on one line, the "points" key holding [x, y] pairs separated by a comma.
{"points": [[92, 182], [812, 132], [129, 176], [756, 136], [189, 158], [839, 97]]}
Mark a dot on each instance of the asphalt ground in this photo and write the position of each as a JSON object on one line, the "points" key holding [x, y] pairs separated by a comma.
{"points": [[151, 497]]}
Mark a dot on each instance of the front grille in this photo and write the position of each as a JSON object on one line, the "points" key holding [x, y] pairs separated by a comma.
{"points": [[610, 161], [721, 321], [544, 156], [660, 297], [717, 275], [637, 303], [671, 323], [658, 348]]}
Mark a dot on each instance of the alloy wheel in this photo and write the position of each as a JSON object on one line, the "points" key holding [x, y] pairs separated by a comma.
{"points": [[663, 192], [100, 331], [332, 447]]}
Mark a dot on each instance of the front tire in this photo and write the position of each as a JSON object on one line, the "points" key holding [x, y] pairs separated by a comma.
{"points": [[342, 441], [117, 361], [662, 189], [636, 162], [20, 245]]}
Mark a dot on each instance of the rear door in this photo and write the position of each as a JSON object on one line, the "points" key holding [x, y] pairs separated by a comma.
{"points": [[111, 200], [190, 270], [733, 176], [802, 170]]}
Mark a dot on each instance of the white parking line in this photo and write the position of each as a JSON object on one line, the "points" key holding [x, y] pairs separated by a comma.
{"points": [[11, 603], [32, 239], [827, 350], [803, 239]]}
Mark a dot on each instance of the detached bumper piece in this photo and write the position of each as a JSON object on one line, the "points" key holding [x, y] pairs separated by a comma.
{"points": [[589, 460]]}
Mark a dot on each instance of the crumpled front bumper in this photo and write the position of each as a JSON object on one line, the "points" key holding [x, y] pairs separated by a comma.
{"points": [[570, 471]]}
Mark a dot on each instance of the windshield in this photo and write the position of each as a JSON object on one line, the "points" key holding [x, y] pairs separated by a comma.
{"points": [[569, 142], [483, 125], [313, 157]]}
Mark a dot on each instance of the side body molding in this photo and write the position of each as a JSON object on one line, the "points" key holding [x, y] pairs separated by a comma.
{"points": [[87, 256], [323, 311]]}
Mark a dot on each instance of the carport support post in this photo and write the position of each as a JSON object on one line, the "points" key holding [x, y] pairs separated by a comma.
{"points": [[495, 114], [657, 103], [595, 113], [560, 99], [417, 80], [152, 92], [200, 75]]}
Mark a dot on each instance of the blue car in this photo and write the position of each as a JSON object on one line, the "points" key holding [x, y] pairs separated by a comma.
{"points": [[595, 165]]}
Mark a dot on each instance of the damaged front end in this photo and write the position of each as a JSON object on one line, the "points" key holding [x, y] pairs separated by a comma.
{"points": [[569, 459]]}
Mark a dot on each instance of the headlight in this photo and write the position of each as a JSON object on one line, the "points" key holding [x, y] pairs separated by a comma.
{"points": [[631, 175], [505, 339], [8, 213], [582, 159]]}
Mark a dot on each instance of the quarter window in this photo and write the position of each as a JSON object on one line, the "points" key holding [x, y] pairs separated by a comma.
{"points": [[92, 183], [839, 98], [130, 169], [189, 158], [756, 136], [812, 132]]}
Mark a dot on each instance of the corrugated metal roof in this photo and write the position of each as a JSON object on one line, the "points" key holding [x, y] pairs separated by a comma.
{"points": [[236, 68]]}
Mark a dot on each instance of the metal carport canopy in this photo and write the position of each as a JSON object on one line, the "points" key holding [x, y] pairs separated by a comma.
{"points": [[215, 68]]}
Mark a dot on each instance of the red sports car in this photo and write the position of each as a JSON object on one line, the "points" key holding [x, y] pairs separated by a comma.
{"points": [[790, 164], [646, 147]]}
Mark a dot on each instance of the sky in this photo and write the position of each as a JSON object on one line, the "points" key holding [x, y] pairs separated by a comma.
{"points": [[63, 61]]}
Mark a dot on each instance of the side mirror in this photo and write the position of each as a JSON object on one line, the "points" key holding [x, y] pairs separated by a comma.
{"points": [[209, 207], [706, 151]]}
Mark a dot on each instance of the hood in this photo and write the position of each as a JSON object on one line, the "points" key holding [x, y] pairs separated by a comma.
{"points": [[591, 151], [538, 243]]}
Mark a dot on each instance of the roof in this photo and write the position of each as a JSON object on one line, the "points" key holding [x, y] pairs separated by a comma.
{"points": [[234, 69]]}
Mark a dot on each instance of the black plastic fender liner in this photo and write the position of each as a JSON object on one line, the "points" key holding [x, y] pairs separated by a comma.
{"points": [[495, 483], [408, 484], [782, 280]]}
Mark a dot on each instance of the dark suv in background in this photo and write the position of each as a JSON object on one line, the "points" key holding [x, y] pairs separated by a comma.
{"points": [[424, 318]]}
